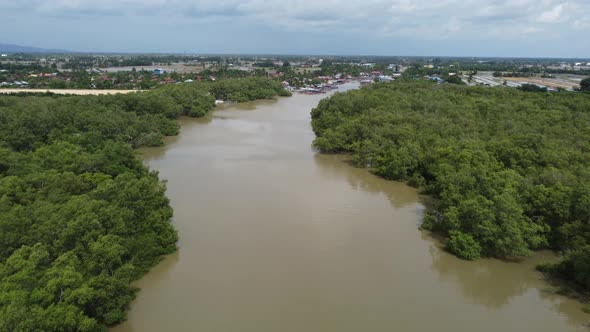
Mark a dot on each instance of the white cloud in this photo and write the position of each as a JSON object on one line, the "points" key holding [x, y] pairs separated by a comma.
{"points": [[531, 29], [421, 19], [552, 16], [582, 23]]}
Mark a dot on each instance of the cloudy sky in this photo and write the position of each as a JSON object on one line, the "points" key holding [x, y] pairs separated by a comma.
{"points": [[543, 28]]}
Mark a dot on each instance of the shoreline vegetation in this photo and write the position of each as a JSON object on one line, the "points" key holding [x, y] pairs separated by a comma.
{"points": [[80, 92], [507, 170], [81, 217]]}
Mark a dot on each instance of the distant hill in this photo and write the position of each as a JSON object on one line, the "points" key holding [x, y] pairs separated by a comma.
{"points": [[10, 48]]}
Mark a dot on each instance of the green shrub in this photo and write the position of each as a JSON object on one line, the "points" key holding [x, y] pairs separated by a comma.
{"points": [[463, 245]]}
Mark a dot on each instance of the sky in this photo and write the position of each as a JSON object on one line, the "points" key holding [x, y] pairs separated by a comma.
{"points": [[505, 28]]}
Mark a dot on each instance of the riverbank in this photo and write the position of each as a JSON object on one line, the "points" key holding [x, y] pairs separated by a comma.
{"points": [[81, 217], [277, 237], [479, 153], [80, 92]]}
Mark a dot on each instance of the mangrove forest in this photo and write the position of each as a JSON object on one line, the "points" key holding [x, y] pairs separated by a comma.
{"points": [[508, 171], [80, 216]]}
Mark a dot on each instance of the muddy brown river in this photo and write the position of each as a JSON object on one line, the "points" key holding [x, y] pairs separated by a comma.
{"points": [[275, 237]]}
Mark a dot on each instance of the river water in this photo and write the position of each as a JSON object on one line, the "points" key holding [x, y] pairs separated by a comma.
{"points": [[275, 237]]}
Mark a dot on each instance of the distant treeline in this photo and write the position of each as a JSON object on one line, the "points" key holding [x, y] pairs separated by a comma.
{"points": [[584, 72], [20, 67], [104, 61], [80, 216], [498, 69], [513, 74], [509, 170]]}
